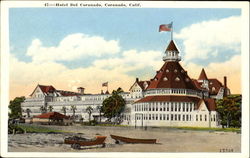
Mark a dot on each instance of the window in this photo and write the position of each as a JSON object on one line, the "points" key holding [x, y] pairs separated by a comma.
{"points": [[164, 107], [164, 116], [175, 71], [187, 106], [175, 117], [214, 118], [150, 106], [183, 117], [175, 107], [167, 70], [153, 116], [187, 118], [156, 116], [179, 117], [160, 116], [205, 117], [172, 117], [183, 107], [179, 107], [200, 117], [156, 106], [165, 79], [167, 116], [149, 116], [167, 107], [177, 79]]}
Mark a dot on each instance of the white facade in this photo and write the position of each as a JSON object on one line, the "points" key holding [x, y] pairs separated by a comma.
{"points": [[174, 108]]}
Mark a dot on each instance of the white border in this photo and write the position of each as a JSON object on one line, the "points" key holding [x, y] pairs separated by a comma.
{"points": [[5, 5]]}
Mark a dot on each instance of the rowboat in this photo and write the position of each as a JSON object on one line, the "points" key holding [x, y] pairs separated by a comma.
{"points": [[119, 139], [76, 142]]}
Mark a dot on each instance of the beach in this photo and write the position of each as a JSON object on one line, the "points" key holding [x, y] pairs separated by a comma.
{"points": [[168, 140]]}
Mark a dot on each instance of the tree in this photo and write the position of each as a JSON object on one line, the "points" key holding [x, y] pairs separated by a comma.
{"points": [[15, 107], [229, 109], [113, 106], [89, 110], [99, 108], [43, 109], [73, 109], [64, 110], [50, 108], [28, 112]]}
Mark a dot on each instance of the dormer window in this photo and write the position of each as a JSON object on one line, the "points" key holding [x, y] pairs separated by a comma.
{"points": [[182, 71], [155, 79], [165, 79], [177, 79], [175, 71], [187, 79], [213, 89], [167, 70]]}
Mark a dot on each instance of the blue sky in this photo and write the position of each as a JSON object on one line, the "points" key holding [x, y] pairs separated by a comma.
{"points": [[70, 47], [134, 28]]}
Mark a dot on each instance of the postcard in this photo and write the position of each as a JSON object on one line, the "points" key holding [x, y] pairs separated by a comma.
{"points": [[124, 78]]}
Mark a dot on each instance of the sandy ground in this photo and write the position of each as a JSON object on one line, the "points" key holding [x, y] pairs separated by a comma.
{"points": [[168, 140]]}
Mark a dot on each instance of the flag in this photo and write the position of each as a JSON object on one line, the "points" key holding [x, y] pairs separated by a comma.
{"points": [[166, 27], [105, 84]]}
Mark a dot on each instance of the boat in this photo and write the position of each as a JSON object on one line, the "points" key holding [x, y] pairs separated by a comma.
{"points": [[119, 139], [76, 142]]}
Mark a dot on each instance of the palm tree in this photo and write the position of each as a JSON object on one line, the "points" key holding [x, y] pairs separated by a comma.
{"points": [[73, 109], [89, 110], [50, 108], [99, 108], [43, 109], [64, 110], [28, 112]]}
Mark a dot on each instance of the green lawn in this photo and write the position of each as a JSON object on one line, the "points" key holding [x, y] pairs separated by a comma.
{"points": [[210, 129], [38, 129]]}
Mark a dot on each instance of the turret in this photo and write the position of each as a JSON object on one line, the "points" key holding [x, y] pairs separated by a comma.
{"points": [[172, 53]]}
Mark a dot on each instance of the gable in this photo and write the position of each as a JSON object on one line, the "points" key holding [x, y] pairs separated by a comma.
{"points": [[202, 106]]}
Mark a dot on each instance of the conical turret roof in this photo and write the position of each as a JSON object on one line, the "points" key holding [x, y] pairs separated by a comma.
{"points": [[203, 75], [172, 75], [172, 46]]}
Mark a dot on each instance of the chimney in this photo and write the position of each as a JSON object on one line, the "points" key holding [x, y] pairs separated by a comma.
{"points": [[137, 79], [225, 82], [80, 90], [225, 86]]}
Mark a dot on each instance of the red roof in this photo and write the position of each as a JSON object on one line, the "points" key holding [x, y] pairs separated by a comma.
{"points": [[45, 89], [169, 99], [67, 93], [203, 75], [172, 46], [210, 103], [141, 84], [52, 115], [172, 75], [216, 84]]}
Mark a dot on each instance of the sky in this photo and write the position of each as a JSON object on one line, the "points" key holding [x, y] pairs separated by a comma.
{"points": [[73, 47]]}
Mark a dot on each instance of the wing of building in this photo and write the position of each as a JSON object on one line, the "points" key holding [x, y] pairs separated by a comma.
{"points": [[170, 98]]}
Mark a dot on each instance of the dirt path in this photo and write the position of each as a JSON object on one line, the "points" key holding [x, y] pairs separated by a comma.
{"points": [[168, 140]]}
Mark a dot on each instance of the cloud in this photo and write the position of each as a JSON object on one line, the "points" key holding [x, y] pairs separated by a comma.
{"points": [[72, 47], [132, 60], [230, 68], [205, 39]]}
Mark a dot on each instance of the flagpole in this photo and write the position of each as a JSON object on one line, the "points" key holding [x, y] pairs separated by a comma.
{"points": [[172, 31]]}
